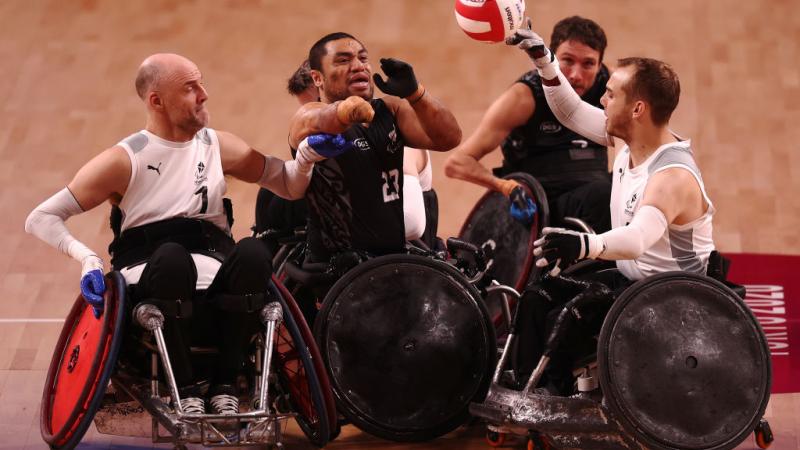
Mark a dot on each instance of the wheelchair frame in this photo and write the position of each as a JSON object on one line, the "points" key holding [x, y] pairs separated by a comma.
{"points": [[258, 425], [584, 420]]}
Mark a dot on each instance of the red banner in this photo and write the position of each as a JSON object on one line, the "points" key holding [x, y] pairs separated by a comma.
{"points": [[773, 293]]}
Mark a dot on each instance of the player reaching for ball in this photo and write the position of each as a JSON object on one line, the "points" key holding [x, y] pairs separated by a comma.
{"points": [[572, 169]]}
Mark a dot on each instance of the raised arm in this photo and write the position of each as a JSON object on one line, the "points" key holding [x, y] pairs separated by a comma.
{"points": [[424, 121], [577, 115], [334, 118], [512, 109]]}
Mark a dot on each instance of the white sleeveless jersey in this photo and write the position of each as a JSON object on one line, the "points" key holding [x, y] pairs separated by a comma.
{"points": [[426, 174], [174, 179], [682, 247]]}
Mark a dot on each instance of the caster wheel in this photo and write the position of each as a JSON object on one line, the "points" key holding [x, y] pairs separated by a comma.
{"points": [[537, 442], [763, 434], [495, 438]]}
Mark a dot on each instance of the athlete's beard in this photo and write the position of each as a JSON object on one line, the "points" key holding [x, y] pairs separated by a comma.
{"points": [[194, 123], [336, 94]]}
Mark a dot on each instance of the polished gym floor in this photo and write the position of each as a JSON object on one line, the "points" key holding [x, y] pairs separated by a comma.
{"points": [[66, 93]]}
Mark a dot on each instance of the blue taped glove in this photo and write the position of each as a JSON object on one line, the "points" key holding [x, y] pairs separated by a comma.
{"points": [[93, 286], [329, 145], [523, 209]]}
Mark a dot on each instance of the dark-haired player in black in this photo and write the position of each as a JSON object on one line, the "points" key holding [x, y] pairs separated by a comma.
{"points": [[572, 169], [355, 202]]}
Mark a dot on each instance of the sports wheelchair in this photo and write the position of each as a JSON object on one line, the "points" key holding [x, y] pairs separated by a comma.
{"points": [[88, 381], [406, 339], [681, 363], [702, 383]]}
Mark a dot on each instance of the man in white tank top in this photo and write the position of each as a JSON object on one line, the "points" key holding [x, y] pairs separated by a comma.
{"points": [[660, 213], [172, 235]]}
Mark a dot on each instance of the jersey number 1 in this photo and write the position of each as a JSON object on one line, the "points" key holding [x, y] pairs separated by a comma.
{"points": [[391, 185], [203, 193]]}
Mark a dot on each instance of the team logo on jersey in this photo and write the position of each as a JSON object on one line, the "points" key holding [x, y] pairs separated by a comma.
{"points": [[361, 144], [630, 204], [200, 173], [157, 168], [550, 127], [394, 144]]}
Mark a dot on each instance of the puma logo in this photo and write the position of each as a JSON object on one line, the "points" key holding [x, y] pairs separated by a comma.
{"points": [[157, 169]]}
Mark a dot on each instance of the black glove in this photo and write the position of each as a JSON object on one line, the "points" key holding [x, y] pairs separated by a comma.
{"points": [[400, 81], [559, 248]]}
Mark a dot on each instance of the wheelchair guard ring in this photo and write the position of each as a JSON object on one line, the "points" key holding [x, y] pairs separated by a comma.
{"points": [[704, 380]]}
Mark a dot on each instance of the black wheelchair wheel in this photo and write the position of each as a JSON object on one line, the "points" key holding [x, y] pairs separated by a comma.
{"points": [[684, 364], [294, 366], [408, 345]]}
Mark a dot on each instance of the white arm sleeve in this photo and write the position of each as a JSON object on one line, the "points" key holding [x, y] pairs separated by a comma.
{"points": [[632, 240], [577, 115], [289, 179], [46, 222], [413, 207]]}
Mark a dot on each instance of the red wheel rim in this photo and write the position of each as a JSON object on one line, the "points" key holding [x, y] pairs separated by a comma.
{"points": [[79, 364], [322, 373]]}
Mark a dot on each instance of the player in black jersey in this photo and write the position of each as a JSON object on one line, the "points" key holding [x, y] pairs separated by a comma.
{"points": [[572, 169], [356, 201], [281, 217]]}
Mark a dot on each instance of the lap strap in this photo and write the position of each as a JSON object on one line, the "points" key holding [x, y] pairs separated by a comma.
{"points": [[246, 303], [178, 309]]}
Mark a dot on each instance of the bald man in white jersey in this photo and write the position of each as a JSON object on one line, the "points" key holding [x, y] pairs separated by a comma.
{"points": [[661, 215], [173, 242]]}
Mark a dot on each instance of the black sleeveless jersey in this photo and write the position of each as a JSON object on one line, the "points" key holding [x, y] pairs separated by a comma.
{"points": [[559, 158], [356, 199]]}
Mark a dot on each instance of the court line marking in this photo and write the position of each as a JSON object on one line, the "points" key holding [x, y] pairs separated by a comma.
{"points": [[31, 320]]}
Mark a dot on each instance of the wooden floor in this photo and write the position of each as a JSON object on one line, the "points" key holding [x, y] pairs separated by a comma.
{"points": [[66, 92]]}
